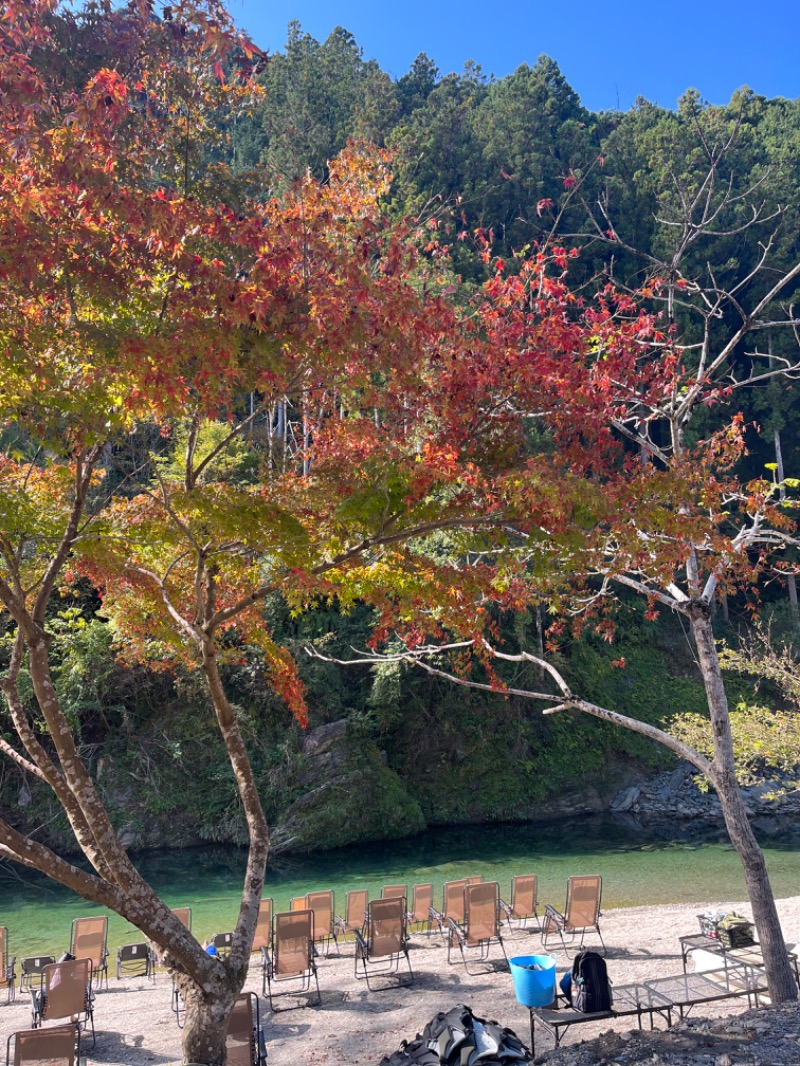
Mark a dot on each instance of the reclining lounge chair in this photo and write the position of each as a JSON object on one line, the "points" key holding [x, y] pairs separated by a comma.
{"points": [[66, 992], [481, 926], [291, 957], [524, 903], [263, 934], [355, 913], [57, 1046], [245, 1041], [386, 944], [421, 912], [582, 911], [89, 940], [136, 960]]}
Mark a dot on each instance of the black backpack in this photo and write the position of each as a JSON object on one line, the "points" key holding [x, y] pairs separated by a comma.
{"points": [[591, 988]]}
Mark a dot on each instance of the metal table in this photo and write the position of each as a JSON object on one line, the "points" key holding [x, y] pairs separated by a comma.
{"points": [[638, 999]]}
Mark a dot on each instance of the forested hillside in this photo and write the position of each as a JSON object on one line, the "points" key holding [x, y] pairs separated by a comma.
{"points": [[492, 168]]}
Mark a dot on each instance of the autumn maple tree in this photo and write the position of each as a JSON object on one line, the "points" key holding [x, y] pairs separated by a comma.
{"points": [[209, 397]]}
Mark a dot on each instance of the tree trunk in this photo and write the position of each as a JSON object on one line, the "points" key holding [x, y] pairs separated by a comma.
{"points": [[791, 582], [780, 979], [208, 1012]]}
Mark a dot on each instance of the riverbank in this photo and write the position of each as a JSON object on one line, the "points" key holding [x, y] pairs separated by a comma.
{"points": [[357, 1027]]}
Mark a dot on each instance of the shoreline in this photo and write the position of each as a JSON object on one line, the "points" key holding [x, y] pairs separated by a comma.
{"points": [[357, 1027]]}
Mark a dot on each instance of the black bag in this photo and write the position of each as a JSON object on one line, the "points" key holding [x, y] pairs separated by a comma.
{"points": [[591, 988], [455, 1037]]}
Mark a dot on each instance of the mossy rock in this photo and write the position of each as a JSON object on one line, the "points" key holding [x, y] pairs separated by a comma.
{"points": [[346, 795]]}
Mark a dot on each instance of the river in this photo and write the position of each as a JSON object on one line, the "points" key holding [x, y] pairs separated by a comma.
{"points": [[638, 868]]}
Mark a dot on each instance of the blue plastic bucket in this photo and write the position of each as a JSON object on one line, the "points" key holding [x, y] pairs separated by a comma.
{"points": [[534, 987]]}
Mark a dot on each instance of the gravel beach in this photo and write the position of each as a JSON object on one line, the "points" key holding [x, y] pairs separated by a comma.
{"points": [[355, 1027]]}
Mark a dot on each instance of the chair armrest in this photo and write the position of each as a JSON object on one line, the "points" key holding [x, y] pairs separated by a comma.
{"points": [[504, 907], [361, 945], [455, 932], [436, 916], [261, 1044], [554, 916]]}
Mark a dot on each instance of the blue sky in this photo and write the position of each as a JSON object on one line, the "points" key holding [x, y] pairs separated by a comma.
{"points": [[610, 51]]}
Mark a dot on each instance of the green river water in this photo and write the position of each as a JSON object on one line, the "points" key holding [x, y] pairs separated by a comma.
{"points": [[637, 870]]}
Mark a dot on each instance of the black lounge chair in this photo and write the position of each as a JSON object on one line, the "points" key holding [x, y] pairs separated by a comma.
{"points": [[136, 960], [31, 970]]}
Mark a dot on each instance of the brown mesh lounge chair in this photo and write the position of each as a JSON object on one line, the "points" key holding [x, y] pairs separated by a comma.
{"points": [[481, 927], [386, 944], [582, 911], [66, 992], [421, 913], [298, 903], [452, 904], [136, 960], [8, 977], [394, 892], [58, 1046], [355, 914], [524, 903], [292, 955], [89, 940], [245, 1041], [322, 904], [31, 970], [184, 915], [263, 934]]}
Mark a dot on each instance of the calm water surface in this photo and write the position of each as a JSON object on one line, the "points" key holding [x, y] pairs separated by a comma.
{"points": [[637, 869]]}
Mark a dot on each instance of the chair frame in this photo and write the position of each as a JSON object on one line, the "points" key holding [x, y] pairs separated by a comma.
{"points": [[475, 897], [71, 1035], [384, 952], [100, 962], [272, 964], [74, 969], [564, 923], [8, 974]]}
